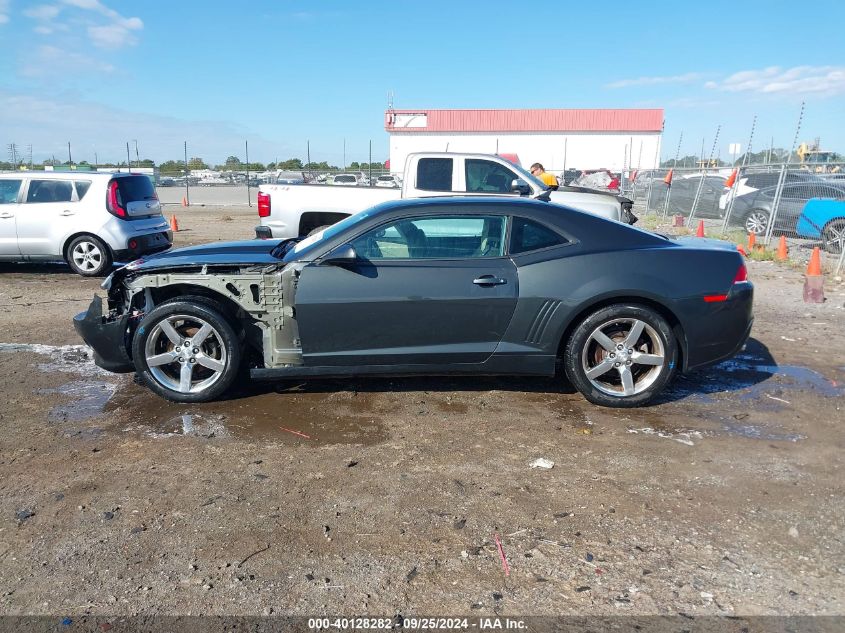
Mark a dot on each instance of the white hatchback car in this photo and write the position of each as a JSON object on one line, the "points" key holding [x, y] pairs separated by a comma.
{"points": [[89, 219]]}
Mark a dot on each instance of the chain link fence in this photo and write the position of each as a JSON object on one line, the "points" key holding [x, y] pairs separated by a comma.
{"points": [[804, 205]]}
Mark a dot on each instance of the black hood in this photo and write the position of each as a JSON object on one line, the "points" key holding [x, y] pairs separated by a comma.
{"points": [[244, 252]]}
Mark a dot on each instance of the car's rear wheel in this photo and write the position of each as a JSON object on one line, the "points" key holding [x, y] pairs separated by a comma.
{"points": [[756, 221], [187, 351], [88, 256], [833, 236], [621, 355]]}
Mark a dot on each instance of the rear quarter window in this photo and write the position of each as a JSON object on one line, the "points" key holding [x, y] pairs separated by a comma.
{"points": [[527, 235], [82, 187]]}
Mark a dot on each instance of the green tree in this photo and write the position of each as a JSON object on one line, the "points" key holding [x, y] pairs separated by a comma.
{"points": [[197, 163], [290, 163], [172, 167], [233, 162]]}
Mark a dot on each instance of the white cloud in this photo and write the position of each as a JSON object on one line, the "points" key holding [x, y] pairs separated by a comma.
{"points": [[800, 80], [111, 36], [43, 12], [48, 123], [52, 62], [4, 11], [652, 81]]}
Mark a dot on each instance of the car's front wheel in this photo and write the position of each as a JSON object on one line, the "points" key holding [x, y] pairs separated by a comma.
{"points": [[88, 256], [187, 351], [621, 355], [833, 236], [756, 221]]}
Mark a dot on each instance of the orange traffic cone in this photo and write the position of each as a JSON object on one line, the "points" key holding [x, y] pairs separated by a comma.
{"points": [[752, 241], [700, 231], [184, 201], [783, 251], [174, 223], [813, 280]]}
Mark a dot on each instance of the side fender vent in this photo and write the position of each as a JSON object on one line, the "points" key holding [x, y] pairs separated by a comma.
{"points": [[538, 326]]}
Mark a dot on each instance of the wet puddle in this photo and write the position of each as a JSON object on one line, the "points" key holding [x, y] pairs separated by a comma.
{"points": [[351, 412], [291, 417]]}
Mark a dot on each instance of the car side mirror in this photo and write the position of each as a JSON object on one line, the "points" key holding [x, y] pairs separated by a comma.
{"points": [[342, 256], [520, 186]]}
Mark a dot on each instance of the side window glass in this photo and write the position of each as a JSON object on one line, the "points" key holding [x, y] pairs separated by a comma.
{"points": [[527, 235], [82, 187], [484, 176], [447, 237], [49, 191], [434, 174], [9, 191]]}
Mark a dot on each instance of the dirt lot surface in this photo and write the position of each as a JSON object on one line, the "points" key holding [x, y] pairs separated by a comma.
{"points": [[388, 496]]}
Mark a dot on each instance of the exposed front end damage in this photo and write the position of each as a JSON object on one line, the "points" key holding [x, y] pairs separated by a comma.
{"points": [[259, 301]]}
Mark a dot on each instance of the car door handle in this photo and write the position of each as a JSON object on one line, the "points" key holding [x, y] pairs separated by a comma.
{"points": [[66, 213], [6, 214], [489, 280]]}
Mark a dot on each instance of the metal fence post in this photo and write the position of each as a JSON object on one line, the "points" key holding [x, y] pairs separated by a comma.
{"points": [[731, 199], [841, 262], [775, 204]]}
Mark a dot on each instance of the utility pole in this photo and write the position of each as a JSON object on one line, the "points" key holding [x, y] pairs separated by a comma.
{"points": [[69, 157], [246, 152], [370, 164], [187, 190], [137, 158], [344, 154], [128, 159], [308, 152]]}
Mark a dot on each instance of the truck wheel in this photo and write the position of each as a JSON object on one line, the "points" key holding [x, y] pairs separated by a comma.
{"points": [[621, 355], [317, 230], [187, 351], [88, 256]]}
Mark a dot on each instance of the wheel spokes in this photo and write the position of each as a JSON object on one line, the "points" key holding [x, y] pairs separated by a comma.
{"points": [[627, 380], [185, 376], [638, 358], [634, 335], [202, 334], [602, 368], [604, 340], [170, 332], [162, 359], [211, 363]]}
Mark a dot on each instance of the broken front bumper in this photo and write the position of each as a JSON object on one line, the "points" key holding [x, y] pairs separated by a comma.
{"points": [[107, 339]]}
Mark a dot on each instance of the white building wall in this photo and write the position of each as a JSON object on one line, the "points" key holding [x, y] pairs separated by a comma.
{"points": [[555, 151]]}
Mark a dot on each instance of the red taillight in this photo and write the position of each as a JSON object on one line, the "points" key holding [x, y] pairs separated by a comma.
{"points": [[112, 204], [263, 205], [133, 244], [715, 298], [741, 275]]}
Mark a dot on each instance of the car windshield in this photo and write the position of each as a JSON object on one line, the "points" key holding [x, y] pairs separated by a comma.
{"points": [[290, 254]]}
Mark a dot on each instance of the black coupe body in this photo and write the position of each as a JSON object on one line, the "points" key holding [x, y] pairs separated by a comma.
{"points": [[430, 286]]}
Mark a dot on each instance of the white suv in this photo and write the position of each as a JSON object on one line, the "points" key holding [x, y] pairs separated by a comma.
{"points": [[89, 219]]}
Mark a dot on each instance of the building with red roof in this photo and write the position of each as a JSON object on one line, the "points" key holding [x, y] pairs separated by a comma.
{"points": [[559, 139]]}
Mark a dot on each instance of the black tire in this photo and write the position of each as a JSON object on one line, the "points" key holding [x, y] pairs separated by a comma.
{"points": [[833, 236], [215, 361], [757, 221], [583, 353], [88, 256]]}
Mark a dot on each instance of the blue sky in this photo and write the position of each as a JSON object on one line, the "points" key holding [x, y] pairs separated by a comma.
{"points": [[99, 73]]}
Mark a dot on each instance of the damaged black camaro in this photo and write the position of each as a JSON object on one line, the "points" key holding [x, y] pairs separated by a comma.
{"points": [[429, 286]]}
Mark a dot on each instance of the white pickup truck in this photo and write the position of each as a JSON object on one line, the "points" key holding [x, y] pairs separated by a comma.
{"points": [[295, 210]]}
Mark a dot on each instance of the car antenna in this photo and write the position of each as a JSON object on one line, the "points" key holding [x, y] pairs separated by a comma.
{"points": [[545, 196]]}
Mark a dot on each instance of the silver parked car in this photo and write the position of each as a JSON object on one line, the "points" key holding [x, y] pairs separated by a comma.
{"points": [[89, 219]]}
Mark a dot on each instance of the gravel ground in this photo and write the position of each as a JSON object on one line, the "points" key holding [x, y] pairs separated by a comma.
{"points": [[388, 496]]}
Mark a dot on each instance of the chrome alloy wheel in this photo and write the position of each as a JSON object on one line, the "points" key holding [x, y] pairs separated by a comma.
{"points": [[757, 222], [623, 357], [87, 256], [185, 353]]}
